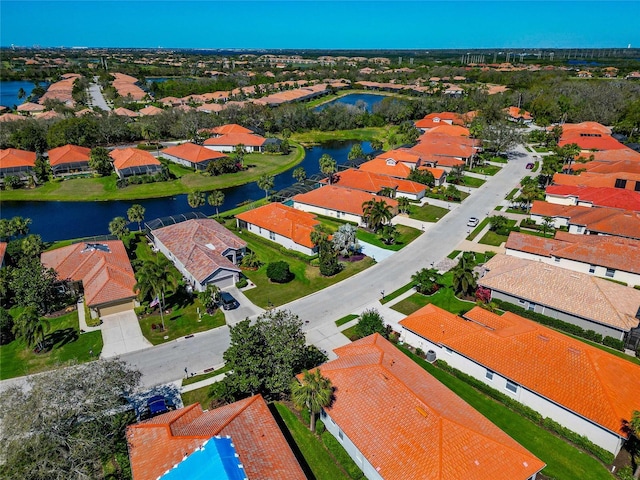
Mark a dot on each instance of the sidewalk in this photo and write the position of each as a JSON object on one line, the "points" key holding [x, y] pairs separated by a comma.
{"points": [[83, 321]]}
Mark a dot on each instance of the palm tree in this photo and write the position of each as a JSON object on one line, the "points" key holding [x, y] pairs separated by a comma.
{"points": [[155, 277], [314, 392], [20, 225], [215, 199], [118, 227], [355, 153], [31, 327], [547, 224], [328, 166], [426, 280], [376, 213], [403, 204], [266, 182], [196, 199], [299, 174], [238, 152], [464, 280], [136, 214]]}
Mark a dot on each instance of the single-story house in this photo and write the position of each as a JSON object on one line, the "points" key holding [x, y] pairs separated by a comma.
{"points": [[578, 298], [599, 255], [448, 148], [241, 439], [15, 162], [377, 184], [192, 155], [132, 161], [625, 180], [104, 271], [150, 110], [589, 136], [228, 142], [69, 158], [386, 166], [592, 196], [398, 422], [518, 115], [589, 220], [585, 389], [202, 250], [338, 202], [433, 120], [284, 225], [125, 112], [228, 129], [30, 108]]}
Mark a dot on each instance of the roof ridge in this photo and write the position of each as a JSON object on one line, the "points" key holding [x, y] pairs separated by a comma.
{"points": [[250, 401], [596, 371], [606, 298]]}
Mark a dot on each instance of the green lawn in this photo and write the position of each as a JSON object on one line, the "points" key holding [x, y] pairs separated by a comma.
{"points": [[498, 160], [485, 169], [16, 359], [350, 333], [104, 188], [204, 376], [536, 165], [397, 293], [345, 319], [453, 254], [492, 238], [443, 298], [441, 196], [307, 278], [541, 149], [512, 194], [427, 213], [478, 229], [498, 208], [472, 182], [321, 462], [563, 460], [315, 137], [405, 237], [200, 395]]}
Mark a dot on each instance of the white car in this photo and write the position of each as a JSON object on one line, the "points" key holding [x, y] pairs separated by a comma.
{"points": [[472, 222]]}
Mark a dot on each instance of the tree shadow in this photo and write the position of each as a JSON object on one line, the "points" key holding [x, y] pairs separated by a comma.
{"points": [[60, 338]]}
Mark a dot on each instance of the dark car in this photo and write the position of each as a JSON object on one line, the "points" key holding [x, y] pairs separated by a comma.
{"points": [[156, 405], [529, 166], [227, 301]]}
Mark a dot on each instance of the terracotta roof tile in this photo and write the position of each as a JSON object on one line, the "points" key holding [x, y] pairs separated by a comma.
{"points": [[150, 110], [400, 155], [340, 199], [125, 112], [374, 182], [608, 180], [230, 128], [586, 380], [388, 166], [515, 112], [193, 153], [600, 196], [233, 139], [132, 157], [158, 444], [68, 154], [3, 251], [446, 129], [286, 221], [12, 157], [583, 295], [408, 425]]}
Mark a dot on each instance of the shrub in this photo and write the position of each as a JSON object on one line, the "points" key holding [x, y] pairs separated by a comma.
{"points": [[279, 272], [420, 352], [370, 322], [315, 262], [242, 283], [613, 343], [6, 327], [319, 427]]}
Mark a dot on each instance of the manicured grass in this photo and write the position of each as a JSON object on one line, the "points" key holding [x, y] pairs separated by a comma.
{"points": [[443, 298], [405, 237], [341, 455], [68, 344], [441, 196], [472, 182], [512, 194], [350, 333], [345, 319], [478, 229], [498, 208], [200, 395], [321, 462], [397, 293], [486, 169], [541, 149], [492, 238], [427, 213], [536, 165], [204, 376], [104, 188], [307, 278], [453, 254], [499, 160], [563, 460], [527, 148], [314, 137]]}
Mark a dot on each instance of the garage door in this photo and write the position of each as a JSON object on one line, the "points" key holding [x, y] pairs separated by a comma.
{"points": [[117, 308], [224, 282]]}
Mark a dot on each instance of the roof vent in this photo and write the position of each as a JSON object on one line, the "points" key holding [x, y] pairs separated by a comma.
{"points": [[91, 247], [210, 246]]}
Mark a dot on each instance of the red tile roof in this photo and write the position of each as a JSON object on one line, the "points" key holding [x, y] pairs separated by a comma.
{"points": [[31, 107], [68, 154], [586, 380], [125, 112], [437, 173], [518, 113], [233, 139], [106, 276], [340, 199], [150, 110], [375, 183], [437, 148], [589, 136], [191, 241], [12, 157], [132, 157], [400, 155], [607, 157], [600, 196], [388, 166], [156, 445], [586, 179], [286, 221], [446, 129], [410, 426], [433, 120], [193, 153], [230, 128], [11, 117]]}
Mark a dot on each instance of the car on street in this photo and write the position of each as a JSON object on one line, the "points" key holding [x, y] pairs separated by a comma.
{"points": [[529, 166], [227, 301], [472, 222]]}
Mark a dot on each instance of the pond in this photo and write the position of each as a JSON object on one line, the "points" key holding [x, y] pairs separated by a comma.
{"points": [[63, 220], [365, 100], [9, 91]]}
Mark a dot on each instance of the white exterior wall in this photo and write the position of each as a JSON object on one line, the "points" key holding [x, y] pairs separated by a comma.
{"points": [[286, 242], [350, 448], [410, 196], [349, 217], [178, 160], [231, 148], [545, 407], [560, 200]]}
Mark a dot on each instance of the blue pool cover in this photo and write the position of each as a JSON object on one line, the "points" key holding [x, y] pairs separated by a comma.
{"points": [[215, 460]]}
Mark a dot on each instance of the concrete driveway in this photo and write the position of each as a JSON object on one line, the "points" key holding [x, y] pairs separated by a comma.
{"points": [[121, 334], [246, 309]]}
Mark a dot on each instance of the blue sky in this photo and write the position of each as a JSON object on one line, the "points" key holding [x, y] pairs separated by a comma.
{"points": [[321, 24]]}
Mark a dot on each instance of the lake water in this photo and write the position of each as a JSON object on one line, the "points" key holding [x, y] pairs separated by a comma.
{"points": [[367, 100], [9, 91], [62, 220]]}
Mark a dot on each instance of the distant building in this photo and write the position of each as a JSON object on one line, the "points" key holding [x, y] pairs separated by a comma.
{"points": [[192, 155], [15, 162], [132, 161]]}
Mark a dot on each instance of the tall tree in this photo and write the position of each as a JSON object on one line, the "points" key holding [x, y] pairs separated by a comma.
{"points": [[239, 152], [31, 327], [376, 213], [266, 183], [20, 225], [100, 161], [154, 278], [34, 285], [403, 204], [328, 166], [216, 199], [314, 392], [196, 199], [464, 280], [426, 280], [299, 174], [118, 227], [21, 93], [136, 214], [355, 153]]}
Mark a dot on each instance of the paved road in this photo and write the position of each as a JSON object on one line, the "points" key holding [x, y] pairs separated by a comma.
{"points": [[166, 363], [97, 100]]}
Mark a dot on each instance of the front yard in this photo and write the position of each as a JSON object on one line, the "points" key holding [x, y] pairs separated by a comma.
{"points": [[427, 213]]}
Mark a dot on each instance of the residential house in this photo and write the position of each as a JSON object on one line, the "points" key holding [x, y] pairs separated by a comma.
{"points": [[518, 115], [589, 220], [102, 270], [284, 225], [15, 162], [599, 255], [629, 181], [202, 250], [69, 159], [150, 110], [593, 196], [132, 161], [192, 155], [125, 112], [127, 86], [342, 203], [228, 142], [446, 129], [228, 129], [447, 151], [590, 302], [583, 388], [378, 184], [398, 422], [29, 108], [388, 166], [237, 441], [589, 136]]}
